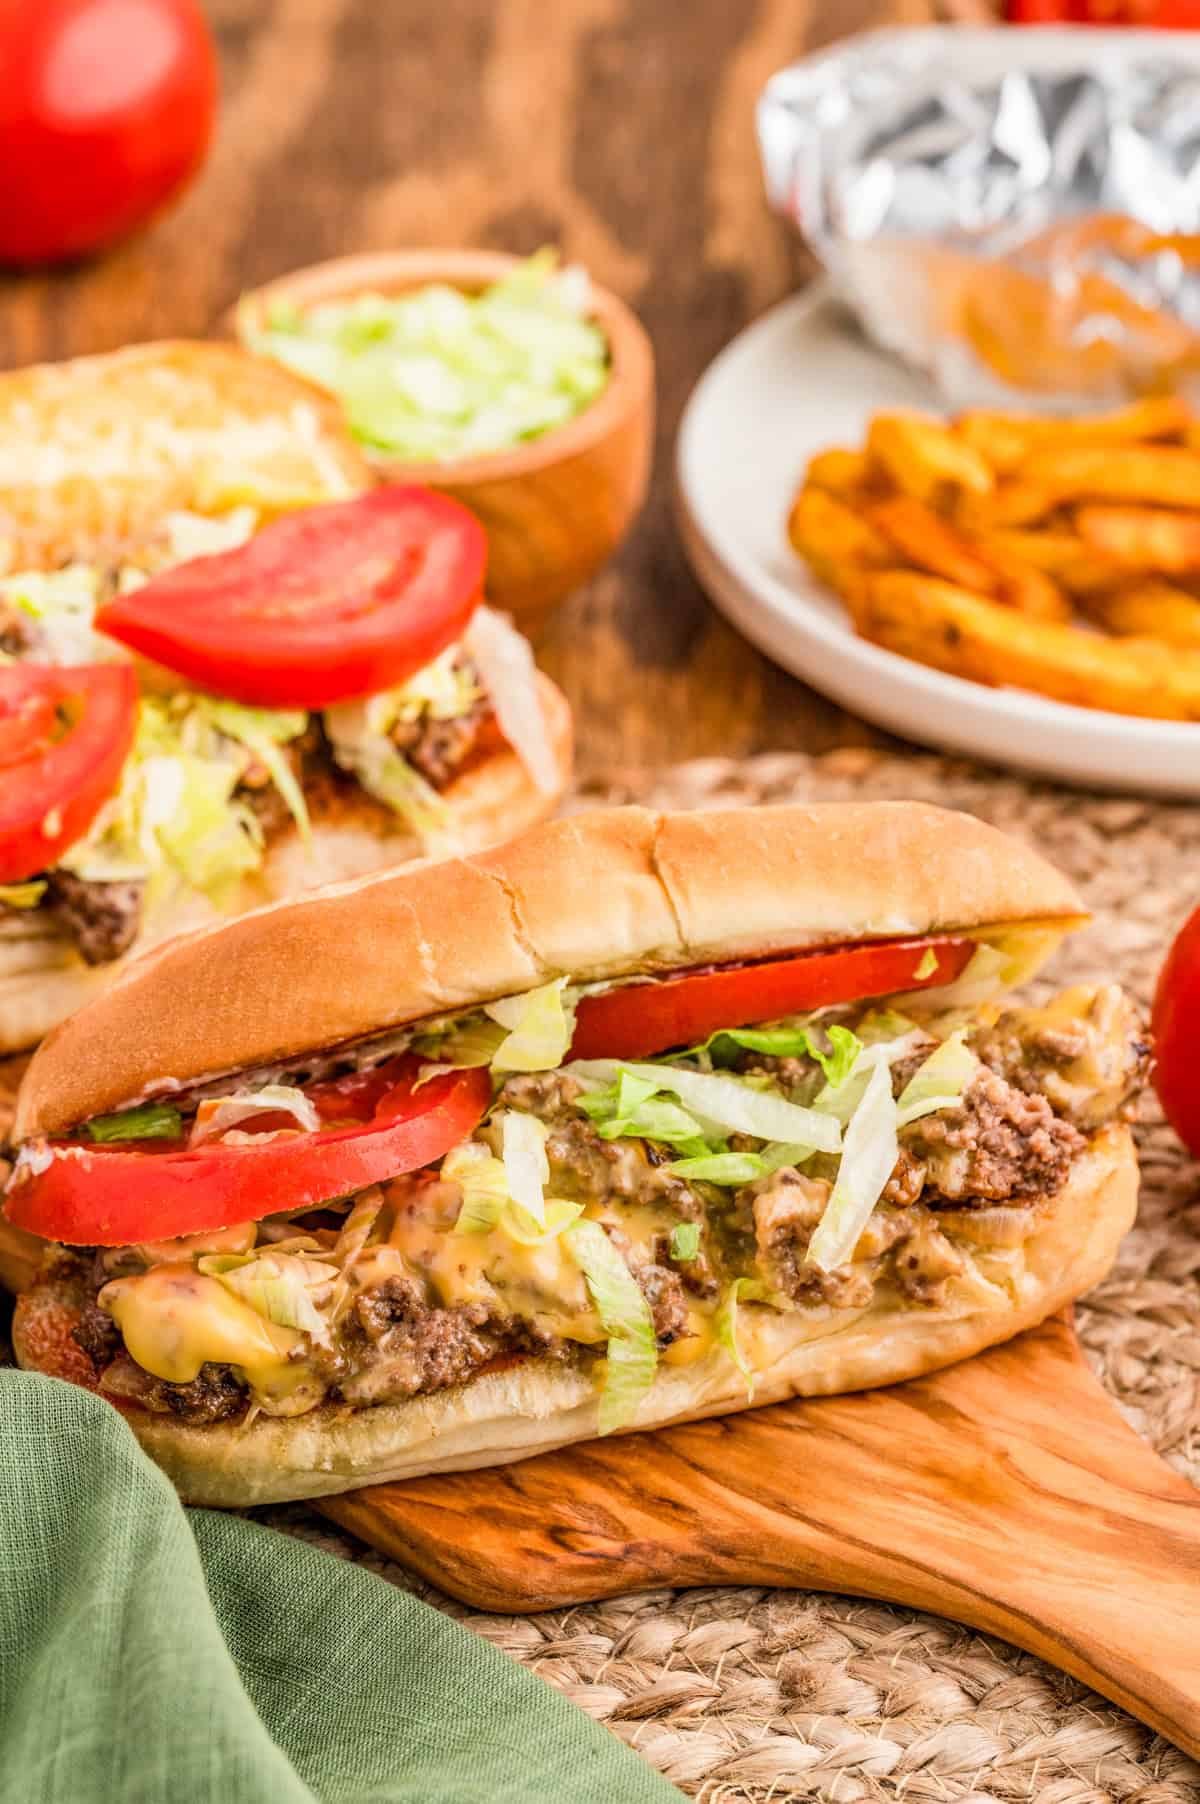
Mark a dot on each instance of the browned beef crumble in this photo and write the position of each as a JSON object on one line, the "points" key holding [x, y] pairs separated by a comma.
{"points": [[438, 749], [20, 635], [98, 1335], [214, 1396], [585, 1167], [1089, 1066], [998, 1145], [104, 919]]}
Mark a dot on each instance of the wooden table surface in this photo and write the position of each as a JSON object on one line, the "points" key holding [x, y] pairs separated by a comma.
{"points": [[621, 130]]}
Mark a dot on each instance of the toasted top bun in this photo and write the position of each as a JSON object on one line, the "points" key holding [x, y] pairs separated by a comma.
{"points": [[97, 449], [616, 891]]}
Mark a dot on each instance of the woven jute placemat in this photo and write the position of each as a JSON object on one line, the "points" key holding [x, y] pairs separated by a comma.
{"points": [[744, 1694]]}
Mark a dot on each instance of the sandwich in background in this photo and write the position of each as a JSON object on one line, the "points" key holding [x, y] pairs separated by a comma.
{"points": [[317, 690]]}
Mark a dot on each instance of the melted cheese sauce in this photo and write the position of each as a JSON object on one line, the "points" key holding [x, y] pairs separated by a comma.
{"points": [[174, 1320], [541, 1284]]}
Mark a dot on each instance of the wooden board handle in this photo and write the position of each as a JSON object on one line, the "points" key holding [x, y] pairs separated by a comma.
{"points": [[1006, 1493]]}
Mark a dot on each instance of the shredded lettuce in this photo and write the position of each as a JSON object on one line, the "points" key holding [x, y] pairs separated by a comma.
{"points": [[725, 1323], [155, 1121], [526, 1168], [685, 1241], [869, 1155], [927, 965], [443, 689], [483, 1182], [217, 1115], [530, 1032], [206, 837], [279, 1288], [488, 1201], [787, 1040], [540, 1024], [625, 1317], [883, 1025], [629, 1109], [843, 1099], [437, 374], [465, 1046], [22, 895], [174, 814], [724, 1104], [264, 732], [741, 1168], [505, 661], [63, 603], [192, 535], [359, 734], [940, 1082]]}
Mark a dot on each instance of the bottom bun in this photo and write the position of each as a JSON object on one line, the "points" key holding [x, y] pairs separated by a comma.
{"points": [[43, 979], [538, 1405]]}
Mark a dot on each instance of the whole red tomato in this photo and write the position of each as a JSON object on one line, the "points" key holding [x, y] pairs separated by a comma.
{"points": [[106, 109], [1176, 1023], [1169, 14]]}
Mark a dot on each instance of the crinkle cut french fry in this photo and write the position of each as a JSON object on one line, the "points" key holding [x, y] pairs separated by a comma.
{"points": [[938, 624], [1143, 538], [922, 456], [1152, 609], [1007, 439], [1158, 474]]}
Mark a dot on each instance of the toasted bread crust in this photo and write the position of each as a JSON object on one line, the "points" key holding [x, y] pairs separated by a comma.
{"points": [[593, 896], [95, 450]]}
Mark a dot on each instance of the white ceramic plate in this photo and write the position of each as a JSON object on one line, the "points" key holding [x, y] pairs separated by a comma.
{"points": [[797, 380]]}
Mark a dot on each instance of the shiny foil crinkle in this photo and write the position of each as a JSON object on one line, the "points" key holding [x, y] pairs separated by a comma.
{"points": [[1010, 211]]}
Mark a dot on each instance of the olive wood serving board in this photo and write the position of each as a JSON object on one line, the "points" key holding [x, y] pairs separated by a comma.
{"points": [[1006, 1493]]}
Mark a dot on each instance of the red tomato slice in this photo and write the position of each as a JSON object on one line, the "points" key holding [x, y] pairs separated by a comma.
{"points": [[641, 1019], [322, 606], [98, 1196], [64, 735], [1175, 1021]]}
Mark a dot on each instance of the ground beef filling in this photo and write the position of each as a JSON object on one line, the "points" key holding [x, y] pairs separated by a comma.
{"points": [[439, 749], [983, 1173], [20, 635], [103, 919]]}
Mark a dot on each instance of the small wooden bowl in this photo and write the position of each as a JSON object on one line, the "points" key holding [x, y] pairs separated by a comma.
{"points": [[555, 508]]}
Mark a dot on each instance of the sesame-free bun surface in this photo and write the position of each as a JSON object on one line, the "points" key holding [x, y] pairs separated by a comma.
{"points": [[95, 450], [43, 980], [597, 895], [541, 1404]]}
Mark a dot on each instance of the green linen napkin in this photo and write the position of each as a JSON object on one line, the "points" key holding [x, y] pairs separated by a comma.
{"points": [[152, 1655]]}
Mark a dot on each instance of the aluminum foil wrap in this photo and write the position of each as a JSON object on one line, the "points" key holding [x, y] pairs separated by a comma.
{"points": [[1014, 212]]}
